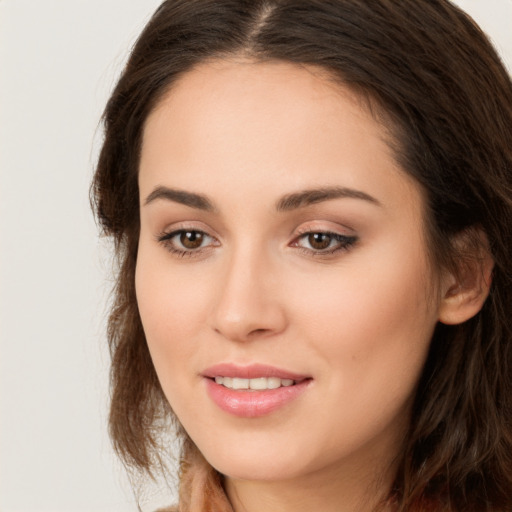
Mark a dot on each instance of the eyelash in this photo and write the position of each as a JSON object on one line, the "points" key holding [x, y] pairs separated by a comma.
{"points": [[165, 239], [344, 243]]}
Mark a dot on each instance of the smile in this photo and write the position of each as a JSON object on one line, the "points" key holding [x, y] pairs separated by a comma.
{"points": [[255, 390]]}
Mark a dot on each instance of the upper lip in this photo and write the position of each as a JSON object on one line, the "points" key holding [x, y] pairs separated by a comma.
{"points": [[251, 371]]}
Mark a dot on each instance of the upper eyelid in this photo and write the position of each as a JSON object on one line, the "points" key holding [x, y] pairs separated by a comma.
{"points": [[304, 228], [188, 226], [313, 229], [341, 229]]}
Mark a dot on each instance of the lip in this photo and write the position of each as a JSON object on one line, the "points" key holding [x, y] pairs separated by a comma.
{"points": [[252, 371], [252, 403]]}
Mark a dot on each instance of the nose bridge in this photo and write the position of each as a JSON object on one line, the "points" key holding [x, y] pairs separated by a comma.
{"points": [[247, 301]]}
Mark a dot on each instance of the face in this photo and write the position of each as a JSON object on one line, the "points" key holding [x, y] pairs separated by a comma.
{"points": [[282, 276]]}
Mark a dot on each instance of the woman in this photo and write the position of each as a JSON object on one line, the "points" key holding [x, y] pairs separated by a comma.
{"points": [[312, 207]]}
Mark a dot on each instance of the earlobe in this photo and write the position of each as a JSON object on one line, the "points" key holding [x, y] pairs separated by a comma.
{"points": [[466, 290]]}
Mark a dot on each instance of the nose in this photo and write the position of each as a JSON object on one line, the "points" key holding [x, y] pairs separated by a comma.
{"points": [[247, 305]]}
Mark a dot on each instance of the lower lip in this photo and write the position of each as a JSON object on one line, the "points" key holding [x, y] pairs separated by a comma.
{"points": [[252, 404]]}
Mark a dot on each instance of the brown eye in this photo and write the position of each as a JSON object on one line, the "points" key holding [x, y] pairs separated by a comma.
{"points": [[191, 239], [319, 241], [187, 242], [324, 243]]}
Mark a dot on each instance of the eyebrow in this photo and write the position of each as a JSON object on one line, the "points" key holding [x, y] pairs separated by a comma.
{"points": [[308, 197], [191, 199], [287, 203]]}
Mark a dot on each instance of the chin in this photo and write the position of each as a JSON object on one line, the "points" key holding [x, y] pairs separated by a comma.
{"points": [[255, 470], [262, 463]]}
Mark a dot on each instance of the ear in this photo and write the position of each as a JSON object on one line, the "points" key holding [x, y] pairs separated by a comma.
{"points": [[464, 291]]}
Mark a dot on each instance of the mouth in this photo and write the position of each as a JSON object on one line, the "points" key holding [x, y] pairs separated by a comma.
{"points": [[253, 391]]}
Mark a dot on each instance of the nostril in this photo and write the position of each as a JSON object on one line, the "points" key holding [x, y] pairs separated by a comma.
{"points": [[255, 333]]}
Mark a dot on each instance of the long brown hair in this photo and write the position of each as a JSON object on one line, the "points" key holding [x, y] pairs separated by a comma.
{"points": [[444, 94]]}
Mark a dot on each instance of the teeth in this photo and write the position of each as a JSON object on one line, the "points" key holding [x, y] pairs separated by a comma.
{"points": [[240, 383], [259, 384], [274, 383]]}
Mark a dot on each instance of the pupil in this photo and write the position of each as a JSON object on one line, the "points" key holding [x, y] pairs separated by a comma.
{"points": [[191, 239], [319, 240]]}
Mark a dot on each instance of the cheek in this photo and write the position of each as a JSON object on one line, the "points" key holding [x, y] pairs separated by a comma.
{"points": [[373, 319], [170, 308]]}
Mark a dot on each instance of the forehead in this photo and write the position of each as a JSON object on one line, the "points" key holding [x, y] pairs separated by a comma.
{"points": [[241, 123], [236, 91]]}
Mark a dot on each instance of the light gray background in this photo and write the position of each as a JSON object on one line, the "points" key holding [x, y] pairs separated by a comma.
{"points": [[58, 62]]}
